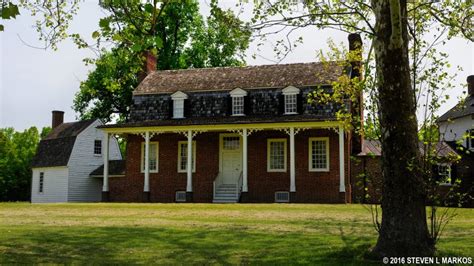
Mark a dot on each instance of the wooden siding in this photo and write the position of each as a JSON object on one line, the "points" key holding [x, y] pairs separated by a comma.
{"points": [[82, 162], [55, 185]]}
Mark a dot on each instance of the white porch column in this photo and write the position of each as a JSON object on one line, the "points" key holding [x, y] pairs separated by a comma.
{"points": [[244, 161], [189, 185], [292, 160], [146, 187], [342, 186], [105, 184]]}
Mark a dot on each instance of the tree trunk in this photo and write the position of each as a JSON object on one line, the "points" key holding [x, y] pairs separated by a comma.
{"points": [[404, 230]]}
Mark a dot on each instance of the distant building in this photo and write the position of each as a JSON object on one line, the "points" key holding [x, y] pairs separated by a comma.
{"points": [[66, 157], [456, 127]]}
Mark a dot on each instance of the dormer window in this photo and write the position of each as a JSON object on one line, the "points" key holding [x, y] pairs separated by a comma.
{"points": [[178, 104], [238, 101], [291, 103]]}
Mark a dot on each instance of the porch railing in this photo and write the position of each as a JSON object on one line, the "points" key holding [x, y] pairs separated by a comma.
{"points": [[239, 186], [217, 182]]}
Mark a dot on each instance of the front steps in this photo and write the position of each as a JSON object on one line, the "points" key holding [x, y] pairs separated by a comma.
{"points": [[226, 193]]}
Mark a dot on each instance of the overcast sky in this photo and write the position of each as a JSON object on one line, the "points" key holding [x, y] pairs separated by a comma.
{"points": [[34, 81]]}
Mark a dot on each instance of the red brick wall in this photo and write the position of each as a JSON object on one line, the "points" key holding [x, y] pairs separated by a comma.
{"points": [[366, 178], [310, 186]]}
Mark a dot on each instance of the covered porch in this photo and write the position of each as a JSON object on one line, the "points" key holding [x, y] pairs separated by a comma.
{"points": [[224, 162]]}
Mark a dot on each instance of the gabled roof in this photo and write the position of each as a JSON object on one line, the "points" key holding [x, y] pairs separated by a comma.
{"points": [[374, 148], [463, 108], [55, 149], [229, 78]]}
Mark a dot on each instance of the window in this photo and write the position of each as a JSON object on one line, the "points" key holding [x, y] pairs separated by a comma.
{"points": [[97, 147], [290, 104], [178, 109], [238, 101], [291, 98], [41, 182], [237, 105], [282, 196], [153, 162], [276, 155], [183, 156], [444, 173], [318, 154], [231, 143], [178, 104], [180, 196]]}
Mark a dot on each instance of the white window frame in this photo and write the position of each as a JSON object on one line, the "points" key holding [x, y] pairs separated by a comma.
{"points": [[179, 156], [288, 92], [178, 104], [142, 160], [310, 154], [285, 151], [449, 176], [41, 183], [98, 154], [238, 95], [238, 105]]}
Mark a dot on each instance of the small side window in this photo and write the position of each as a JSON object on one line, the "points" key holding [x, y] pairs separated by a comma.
{"points": [[444, 174], [41, 182], [97, 147]]}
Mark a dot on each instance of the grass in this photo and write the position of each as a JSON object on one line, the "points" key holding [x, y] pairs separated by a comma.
{"points": [[276, 234]]}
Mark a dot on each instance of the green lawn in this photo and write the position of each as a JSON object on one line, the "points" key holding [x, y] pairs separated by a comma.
{"points": [[200, 233]]}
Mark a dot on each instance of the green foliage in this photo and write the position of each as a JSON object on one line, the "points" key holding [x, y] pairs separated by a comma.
{"points": [[8, 11], [54, 18], [16, 152], [174, 31], [108, 89]]}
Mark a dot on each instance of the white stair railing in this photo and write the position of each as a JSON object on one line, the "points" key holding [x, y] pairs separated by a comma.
{"points": [[239, 186], [217, 182]]}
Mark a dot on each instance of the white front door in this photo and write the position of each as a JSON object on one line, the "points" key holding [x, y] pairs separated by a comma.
{"points": [[231, 158]]}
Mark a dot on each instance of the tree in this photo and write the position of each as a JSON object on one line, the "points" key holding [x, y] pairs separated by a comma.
{"points": [[8, 11], [174, 31], [403, 230], [16, 152]]}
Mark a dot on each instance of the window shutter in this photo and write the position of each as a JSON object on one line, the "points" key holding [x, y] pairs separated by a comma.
{"points": [[247, 105], [170, 108], [300, 103], [187, 108], [281, 103], [454, 173], [229, 105], [468, 139]]}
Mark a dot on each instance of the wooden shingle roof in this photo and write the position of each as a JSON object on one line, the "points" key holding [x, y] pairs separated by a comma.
{"points": [[55, 149], [229, 78]]}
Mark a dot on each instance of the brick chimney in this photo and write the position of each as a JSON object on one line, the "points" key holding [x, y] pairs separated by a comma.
{"points": [[357, 107], [149, 65], [355, 44], [470, 85], [58, 118]]}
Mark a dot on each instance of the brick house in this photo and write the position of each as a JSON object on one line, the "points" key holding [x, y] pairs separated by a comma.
{"points": [[233, 134]]}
